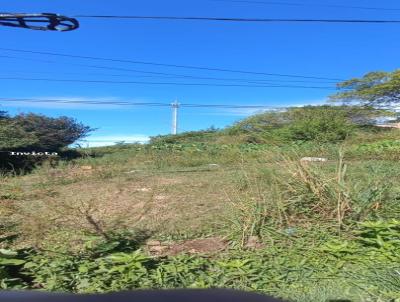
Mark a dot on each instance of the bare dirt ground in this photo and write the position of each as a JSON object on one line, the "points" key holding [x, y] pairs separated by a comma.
{"points": [[207, 246]]}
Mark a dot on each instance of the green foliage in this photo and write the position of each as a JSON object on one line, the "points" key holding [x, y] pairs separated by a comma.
{"points": [[13, 135], [8, 257], [381, 146], [311, 123], [11, 263], [385, 149], [290, 206], [370, 261], [375, 88], [33, 132], [52, 133], [323, 124], [380, 234], [381, 281], [275, 270], [207, 135]]}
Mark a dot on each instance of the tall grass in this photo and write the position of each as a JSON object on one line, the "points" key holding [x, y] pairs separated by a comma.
{"points": [[290, 193]]}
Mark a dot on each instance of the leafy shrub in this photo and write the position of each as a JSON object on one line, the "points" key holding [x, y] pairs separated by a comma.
{"points": [[52, 133], [311, 123], [33, 132], [275, 270], [380, 234], [11, 263], [382, 146], [207, 135]]}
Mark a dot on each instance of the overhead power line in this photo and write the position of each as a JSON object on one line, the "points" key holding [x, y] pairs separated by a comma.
{"points": [[168, 65], [153, 104], [125, 103], [174, 75], [227, 106], [164, 83], [251, 20], [175, 106], [308, 4], [25, 72], [63, 101]]}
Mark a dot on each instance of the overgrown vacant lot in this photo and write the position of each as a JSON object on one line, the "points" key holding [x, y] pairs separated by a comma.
{"points": [[305, 231]]}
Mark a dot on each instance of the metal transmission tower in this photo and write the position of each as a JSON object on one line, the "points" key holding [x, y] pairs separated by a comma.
{"points": [[175, 106], [43, 21]]}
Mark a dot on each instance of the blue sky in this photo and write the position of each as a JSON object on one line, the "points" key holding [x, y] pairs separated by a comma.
{"points": [[323, 50]]}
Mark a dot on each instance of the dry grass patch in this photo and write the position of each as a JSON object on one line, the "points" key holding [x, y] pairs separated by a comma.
{"points": [[181, 203]]}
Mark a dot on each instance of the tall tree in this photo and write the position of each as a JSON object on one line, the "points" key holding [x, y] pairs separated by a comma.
{"points": [[378, 89]]}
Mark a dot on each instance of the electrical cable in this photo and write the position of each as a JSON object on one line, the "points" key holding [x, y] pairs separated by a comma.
{"points": [[151, 104], [251, 20], [30, 100], [308, 4], [167, 65], [9, 72], [165, 83], [172, 75], [124, 103]]}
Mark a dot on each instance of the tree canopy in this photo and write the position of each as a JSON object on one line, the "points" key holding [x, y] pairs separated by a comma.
{"points": [[375, 88], [34, 132], [51, 134]]}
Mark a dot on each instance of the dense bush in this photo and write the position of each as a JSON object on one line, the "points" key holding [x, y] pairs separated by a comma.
{"points": [[187, 137], [311, 123], [51, 134], [13, 135], [33, 132]]}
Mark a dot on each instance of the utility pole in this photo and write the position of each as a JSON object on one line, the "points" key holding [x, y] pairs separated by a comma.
{"points": [[175, 107]]}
